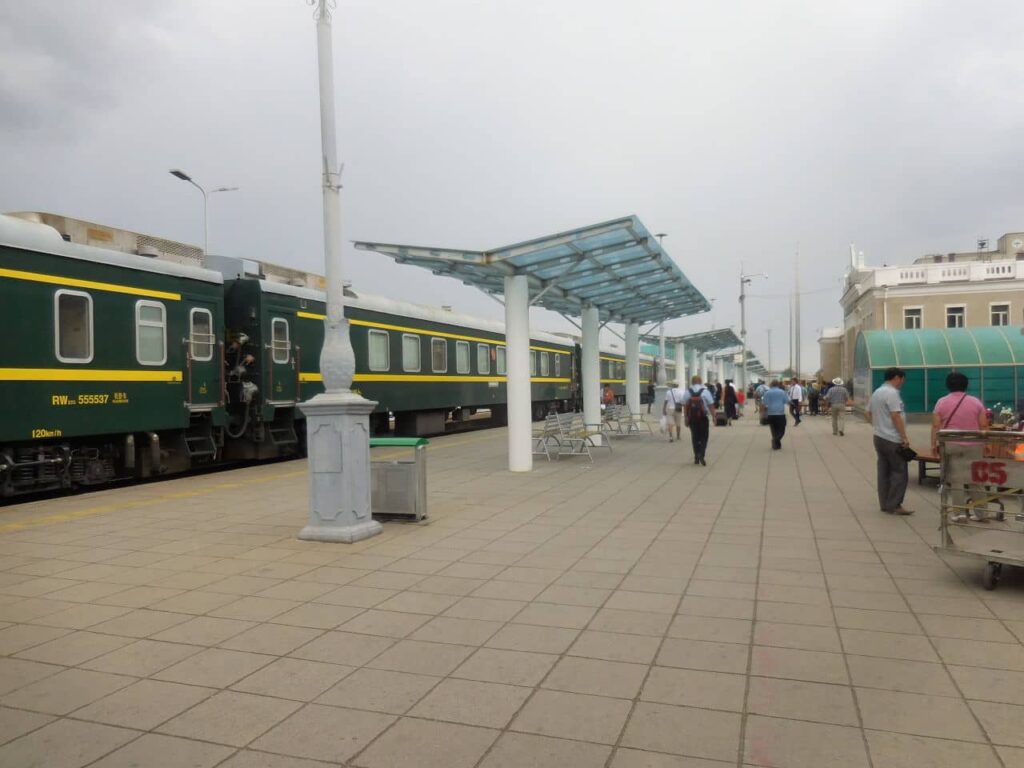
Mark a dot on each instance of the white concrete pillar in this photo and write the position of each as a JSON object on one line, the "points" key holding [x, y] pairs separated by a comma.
{"points": [[591, 367], [517, 362], [721, 369], [681, 364], [633, 366], [694, 366]]}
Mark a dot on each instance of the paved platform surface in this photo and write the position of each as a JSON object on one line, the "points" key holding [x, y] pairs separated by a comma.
{"points": [[639, 612]]}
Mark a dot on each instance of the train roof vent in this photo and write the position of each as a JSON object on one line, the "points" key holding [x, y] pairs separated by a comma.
{"points": [[150, 251]]}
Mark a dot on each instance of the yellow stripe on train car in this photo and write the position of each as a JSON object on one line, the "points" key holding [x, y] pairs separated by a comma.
{"points": [[86, 374], [38, 277], [306, 378]]}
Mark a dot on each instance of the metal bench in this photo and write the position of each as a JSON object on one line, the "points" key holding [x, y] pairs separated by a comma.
{"points": [[545, 435], [576, 438], [625, 421]]}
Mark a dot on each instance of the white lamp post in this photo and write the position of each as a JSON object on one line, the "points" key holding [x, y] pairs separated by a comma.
{"points": [[337, 421], [744, 280], [180, 174]]}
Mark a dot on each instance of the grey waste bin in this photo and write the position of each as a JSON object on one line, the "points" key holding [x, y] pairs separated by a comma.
{"points": [[398, 486]]}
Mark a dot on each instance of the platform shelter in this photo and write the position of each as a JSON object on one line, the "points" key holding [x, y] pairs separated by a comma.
{"points": [[615, 271]]}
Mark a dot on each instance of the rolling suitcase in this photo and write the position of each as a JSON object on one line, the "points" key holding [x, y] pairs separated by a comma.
{"points": [[720, 419]]}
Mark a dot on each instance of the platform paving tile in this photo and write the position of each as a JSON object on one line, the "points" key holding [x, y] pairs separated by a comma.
{"points": [[637, 612]]}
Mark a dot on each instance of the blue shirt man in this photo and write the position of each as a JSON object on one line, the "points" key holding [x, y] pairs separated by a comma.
{"points": [[775, 402], [773, 408]]}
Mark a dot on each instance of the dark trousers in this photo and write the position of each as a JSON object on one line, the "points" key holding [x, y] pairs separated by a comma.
{"points": [[699, 437], [892, 475], [777, 424], [794, 408]]}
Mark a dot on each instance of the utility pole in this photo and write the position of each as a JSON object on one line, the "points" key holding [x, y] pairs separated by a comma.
{"points": [[338, 419]]}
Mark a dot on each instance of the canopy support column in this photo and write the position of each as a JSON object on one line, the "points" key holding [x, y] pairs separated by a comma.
{"points": [[693, 356], [680, 364], [517, 361], [633, 367], [591, 368], [721, 369]]}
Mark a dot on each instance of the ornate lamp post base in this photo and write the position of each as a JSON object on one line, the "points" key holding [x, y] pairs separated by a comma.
{"points": [[338, 436]]}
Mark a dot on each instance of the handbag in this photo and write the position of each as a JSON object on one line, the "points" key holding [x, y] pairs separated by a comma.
{"points": [[679, 406], [906, 453]]}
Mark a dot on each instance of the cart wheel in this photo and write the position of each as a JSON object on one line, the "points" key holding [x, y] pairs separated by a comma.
{"points": [[990, 577]]}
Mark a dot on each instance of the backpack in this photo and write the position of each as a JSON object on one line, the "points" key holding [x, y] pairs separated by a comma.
{"points": [[695, 407]]}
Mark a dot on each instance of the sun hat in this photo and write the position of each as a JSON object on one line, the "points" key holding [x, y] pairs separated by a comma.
{"points": [[837, 381]]}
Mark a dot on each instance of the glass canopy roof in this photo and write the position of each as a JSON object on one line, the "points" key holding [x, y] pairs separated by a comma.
{"points": [[705, 341], [616, 266]]}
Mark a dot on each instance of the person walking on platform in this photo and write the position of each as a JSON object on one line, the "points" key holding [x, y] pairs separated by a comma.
{"points": [[773, 409], [698, 414], [650, 394], [885, 414], [672, 410], [837, 398], [813, 395], [796, 397], [731, 400]]}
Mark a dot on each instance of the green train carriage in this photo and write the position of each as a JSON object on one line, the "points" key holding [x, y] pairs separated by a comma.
{"points": [[110, 365]]}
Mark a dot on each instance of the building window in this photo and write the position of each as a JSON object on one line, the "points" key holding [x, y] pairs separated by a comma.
{"points": [[956, 316], [200, 334], [462, 357], [73, 326], [545, 364], [410, 353], [439, 355], [912, 318], [483, 359], [150, 333], [1000, 314], [280, 341], [499, 361], [378, 353]]}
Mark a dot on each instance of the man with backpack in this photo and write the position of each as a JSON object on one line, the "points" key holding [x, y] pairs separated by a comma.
{"points": [[698, 413]]}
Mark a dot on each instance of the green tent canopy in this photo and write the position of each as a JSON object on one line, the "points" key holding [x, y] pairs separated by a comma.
{"points": [[991, 358]]}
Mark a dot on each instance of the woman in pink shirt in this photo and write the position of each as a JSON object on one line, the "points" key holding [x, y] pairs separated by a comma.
{"points": [[957, 410]]}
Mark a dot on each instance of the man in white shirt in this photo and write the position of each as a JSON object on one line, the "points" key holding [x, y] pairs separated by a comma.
{"points": [[885, 412], [796, 396]]}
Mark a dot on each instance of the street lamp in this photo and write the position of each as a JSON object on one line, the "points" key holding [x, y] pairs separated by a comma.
{"points": [[180, 174], [744, 280]]}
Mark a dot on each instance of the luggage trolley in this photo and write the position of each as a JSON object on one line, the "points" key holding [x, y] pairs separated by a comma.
{"points": [[981, 494]]}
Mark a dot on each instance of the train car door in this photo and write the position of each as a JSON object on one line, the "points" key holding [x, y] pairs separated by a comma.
{"points": [[203, 358], [284, 376]]}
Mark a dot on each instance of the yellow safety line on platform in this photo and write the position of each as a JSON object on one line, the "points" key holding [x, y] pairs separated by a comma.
{"points": [[67, 517], [38, 277]]}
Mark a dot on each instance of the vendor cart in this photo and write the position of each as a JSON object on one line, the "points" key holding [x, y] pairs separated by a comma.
{"points": [[982, 506]]}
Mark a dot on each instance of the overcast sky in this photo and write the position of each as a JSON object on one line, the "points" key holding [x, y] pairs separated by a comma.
{"points": [[741, 129]]}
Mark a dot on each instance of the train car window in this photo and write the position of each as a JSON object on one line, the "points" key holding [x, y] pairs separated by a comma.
{"points": [[200, 334], [410, 353], [483, 358], [150, 333], [558, 364], [72, 312], [439, 355], [545, 364], [378, 350], [499, 361], [533, 362], [462, 357], [280, 341]]}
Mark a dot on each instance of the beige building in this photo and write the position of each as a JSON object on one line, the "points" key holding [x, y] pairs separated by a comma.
{"points": [[954, 290], [830, 344]]}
